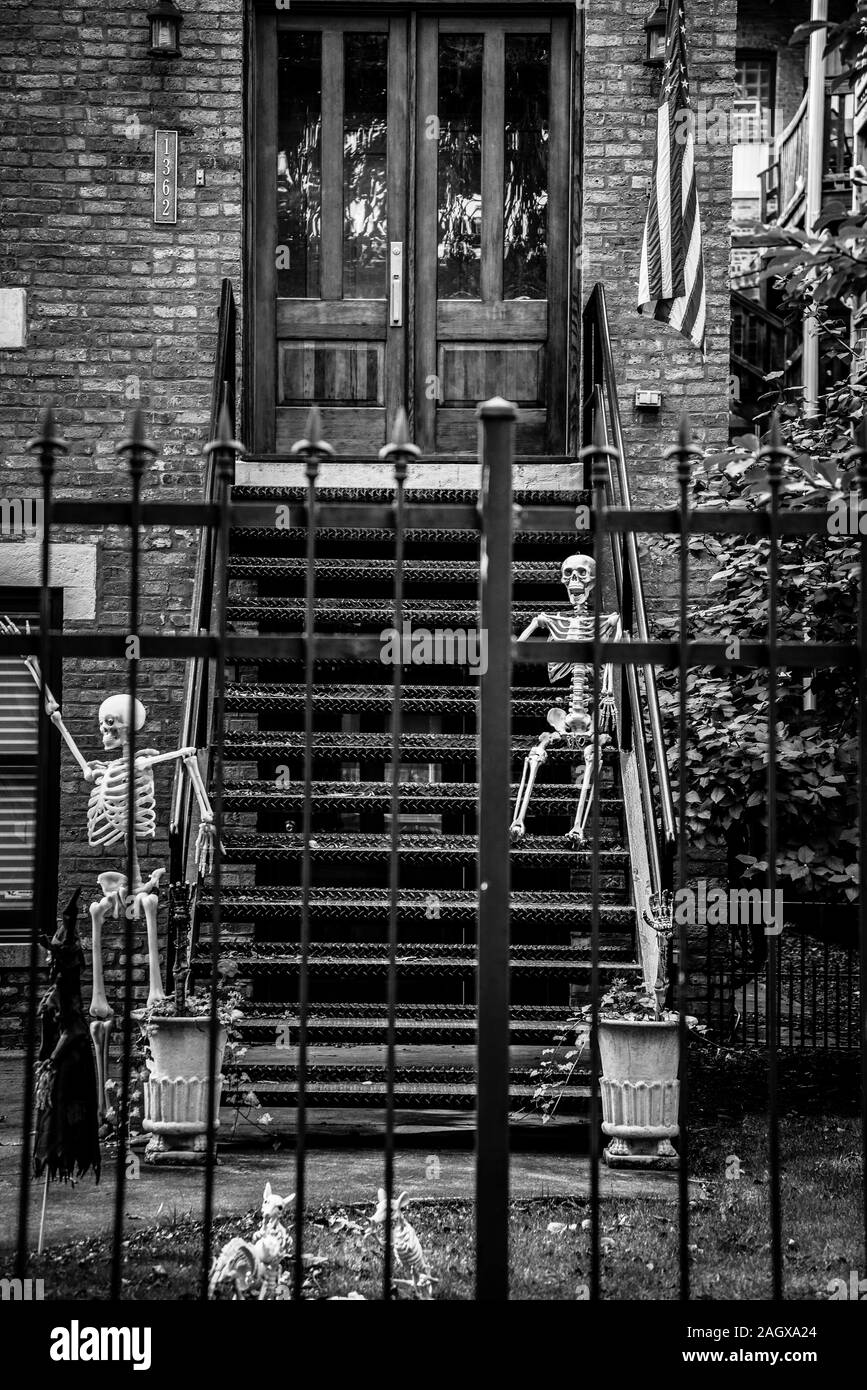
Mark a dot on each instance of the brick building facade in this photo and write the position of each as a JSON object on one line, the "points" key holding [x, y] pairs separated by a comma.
{"points": [[121, 312]]}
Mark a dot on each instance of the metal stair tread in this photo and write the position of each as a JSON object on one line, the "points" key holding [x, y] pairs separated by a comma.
{"points": [[414, 847], [409, 899], [269, 1014], [253, 744], [274, 567], [413, 535], [243, 695], [466, 497], [434, 612], [409, 791]]}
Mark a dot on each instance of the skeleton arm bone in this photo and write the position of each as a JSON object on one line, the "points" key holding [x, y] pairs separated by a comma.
{"points": [[205, 837], [612, 631], [52, 708], [540, 621]]}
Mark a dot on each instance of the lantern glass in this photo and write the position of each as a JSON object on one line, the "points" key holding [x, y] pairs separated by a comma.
{"points": [[655, 26], [165, 25], [162, 34], [656, 45]]}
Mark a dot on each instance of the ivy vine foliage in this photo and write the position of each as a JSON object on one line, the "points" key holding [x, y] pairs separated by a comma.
{"points": [[821, 275], [817, 600]]}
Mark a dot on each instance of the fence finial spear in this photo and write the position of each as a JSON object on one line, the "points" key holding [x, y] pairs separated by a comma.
{"points": [[684, 430], [600, 438], [774, 453], [400, 444], [47, 442], [599, 452], [224, 446], [137, 445], [314, 427], [686, 450], [858, 455], [400, 432], [314, 443]]}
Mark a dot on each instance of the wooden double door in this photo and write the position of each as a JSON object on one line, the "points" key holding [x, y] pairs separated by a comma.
{"points": [[410, 225]]}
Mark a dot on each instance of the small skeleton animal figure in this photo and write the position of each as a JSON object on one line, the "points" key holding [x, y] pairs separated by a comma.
{"points": [[273, 1207], [407, 1246], [247, 1266], [255, 1264], [107, 824], [578, 575]]}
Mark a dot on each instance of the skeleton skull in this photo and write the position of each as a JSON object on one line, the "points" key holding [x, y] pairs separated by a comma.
{"points": [[114, 720], [579, 577]]}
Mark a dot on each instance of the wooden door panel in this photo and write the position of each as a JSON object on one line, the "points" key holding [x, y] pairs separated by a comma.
{"points": [[465, 318], [349, 430], [458, 431], [473, 372], [492, 212], [311, 318], [338, 159], [340, 373]]}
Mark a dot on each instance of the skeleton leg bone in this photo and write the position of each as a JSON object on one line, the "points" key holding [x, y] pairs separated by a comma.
{"points": [[588, 786], [101, 1015], [150, 903], [99, 1006], [101, 1031], [533, 761]]}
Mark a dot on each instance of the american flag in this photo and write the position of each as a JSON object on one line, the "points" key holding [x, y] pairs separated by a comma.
{"points": [[672, 285]]}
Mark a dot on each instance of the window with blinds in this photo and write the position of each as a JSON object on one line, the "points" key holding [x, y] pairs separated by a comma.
{"points": [[19, 709]]}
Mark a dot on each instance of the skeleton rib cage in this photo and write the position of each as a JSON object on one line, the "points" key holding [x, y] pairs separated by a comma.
{"points": [[107, 807]]}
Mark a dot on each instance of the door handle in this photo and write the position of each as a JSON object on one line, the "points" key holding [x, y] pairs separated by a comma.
{"points": [[395, 285]]}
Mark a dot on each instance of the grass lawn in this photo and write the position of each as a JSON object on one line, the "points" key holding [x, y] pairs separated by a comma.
{"points": [[729, 1234]]}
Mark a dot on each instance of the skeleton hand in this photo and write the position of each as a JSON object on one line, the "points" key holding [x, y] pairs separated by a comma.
{"points": [[11, 629], [607, 710], [205, 845]]}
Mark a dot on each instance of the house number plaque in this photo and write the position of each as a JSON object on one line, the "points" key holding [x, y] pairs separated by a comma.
{"points": [[166, 177]]}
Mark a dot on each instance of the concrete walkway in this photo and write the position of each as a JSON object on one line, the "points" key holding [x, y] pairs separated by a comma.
{"points": [[344, 1167]]}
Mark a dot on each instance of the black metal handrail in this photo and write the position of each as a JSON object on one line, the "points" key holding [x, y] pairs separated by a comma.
{"points": [[600, 398], [198, 707]]}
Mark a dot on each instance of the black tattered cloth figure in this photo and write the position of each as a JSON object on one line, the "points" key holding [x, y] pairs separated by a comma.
{"points": [[67, 1126]]}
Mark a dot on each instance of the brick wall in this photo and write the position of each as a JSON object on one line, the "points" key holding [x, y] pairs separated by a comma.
{"points": [[122, 312], [621, 96]]}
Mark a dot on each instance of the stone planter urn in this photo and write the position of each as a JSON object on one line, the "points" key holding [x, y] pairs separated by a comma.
{"points": [[176, 1093], [640, 1091]]}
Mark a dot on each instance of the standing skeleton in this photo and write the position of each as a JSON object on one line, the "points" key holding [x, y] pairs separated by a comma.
{"points": [[107, 824], [578, 575]]}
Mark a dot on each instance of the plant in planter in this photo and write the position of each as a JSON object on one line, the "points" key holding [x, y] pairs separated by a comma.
{"points": [[639, 1055], [176, 1036]]}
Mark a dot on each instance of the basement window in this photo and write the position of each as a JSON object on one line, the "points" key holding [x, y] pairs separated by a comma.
{"points": [[19, 751]]}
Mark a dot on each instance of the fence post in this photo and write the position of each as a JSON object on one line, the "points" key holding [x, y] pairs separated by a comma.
{"points": [[497, 444]]}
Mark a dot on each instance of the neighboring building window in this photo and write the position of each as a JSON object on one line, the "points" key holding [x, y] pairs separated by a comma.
{"points": [[19, 706], [753, 107]]}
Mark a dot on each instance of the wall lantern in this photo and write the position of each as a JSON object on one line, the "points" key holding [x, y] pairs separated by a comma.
{"points": [[655, 26], [165, 21]]}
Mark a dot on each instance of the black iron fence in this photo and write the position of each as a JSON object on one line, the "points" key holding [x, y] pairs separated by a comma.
{"points": [[496, 520]]}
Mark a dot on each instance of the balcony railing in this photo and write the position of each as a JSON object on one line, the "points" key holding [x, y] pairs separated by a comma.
{"points": [[783, 183]]}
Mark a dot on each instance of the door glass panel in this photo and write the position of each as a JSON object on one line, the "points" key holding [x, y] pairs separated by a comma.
{"points": [[525, 266], [459, 169], [299, 165], [365, 230]]}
